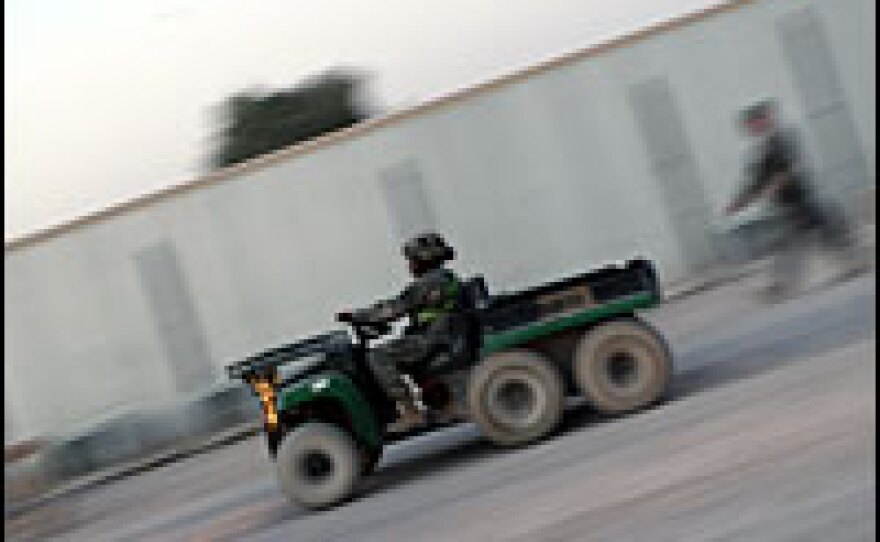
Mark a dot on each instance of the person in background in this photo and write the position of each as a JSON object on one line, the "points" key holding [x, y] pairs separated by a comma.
{"points": [[779, 173]]}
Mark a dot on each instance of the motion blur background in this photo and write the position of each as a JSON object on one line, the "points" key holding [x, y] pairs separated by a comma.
{"points": [[119, 321]]}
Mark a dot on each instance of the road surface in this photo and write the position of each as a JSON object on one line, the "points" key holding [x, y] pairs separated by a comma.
{"points": [[769, 435]]}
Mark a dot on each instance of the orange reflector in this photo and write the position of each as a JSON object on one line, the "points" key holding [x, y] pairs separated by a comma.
{"points": [[267, 397]]}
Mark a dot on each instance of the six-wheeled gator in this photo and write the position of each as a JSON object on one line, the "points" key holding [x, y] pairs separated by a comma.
{"points": [[326, 419]]}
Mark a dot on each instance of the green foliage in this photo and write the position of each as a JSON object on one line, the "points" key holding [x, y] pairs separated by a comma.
{"points": [[253, 123]]}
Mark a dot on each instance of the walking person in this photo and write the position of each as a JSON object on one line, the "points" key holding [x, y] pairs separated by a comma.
{"points": [[779, 173]]}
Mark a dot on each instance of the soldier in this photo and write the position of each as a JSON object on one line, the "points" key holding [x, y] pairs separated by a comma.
{"points": [[428, 302], [778, 173]]}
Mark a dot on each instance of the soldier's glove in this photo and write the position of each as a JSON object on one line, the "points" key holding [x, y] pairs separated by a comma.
{"points": [[345, 317]]}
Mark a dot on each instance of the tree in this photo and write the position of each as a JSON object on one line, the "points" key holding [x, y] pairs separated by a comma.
{"points": [[252, 122]]}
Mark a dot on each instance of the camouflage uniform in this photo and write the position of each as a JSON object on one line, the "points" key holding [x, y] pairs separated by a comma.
{"points": [[427, 301]]}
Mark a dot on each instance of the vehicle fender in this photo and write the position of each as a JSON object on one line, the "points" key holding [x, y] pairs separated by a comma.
{"points": [[336, 387]]}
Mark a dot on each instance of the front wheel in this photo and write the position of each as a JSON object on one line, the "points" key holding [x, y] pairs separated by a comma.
{"points": [[318, 465], [516, 397]]}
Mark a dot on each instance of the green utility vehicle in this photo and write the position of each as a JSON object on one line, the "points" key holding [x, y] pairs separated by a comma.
{"points": [[326, 418]]}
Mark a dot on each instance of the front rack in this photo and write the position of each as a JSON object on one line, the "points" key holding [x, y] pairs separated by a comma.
{"points": [[264, 364]]}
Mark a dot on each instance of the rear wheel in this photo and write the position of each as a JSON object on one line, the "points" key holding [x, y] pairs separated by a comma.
{"points": [[622, 366], [318, 464], [516, 397]]}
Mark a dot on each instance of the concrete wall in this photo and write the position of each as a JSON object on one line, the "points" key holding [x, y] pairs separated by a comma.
{"points": [[631, 150]]}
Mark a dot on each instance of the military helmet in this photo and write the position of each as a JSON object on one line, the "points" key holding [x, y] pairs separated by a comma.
{"points": [[428, 249]]}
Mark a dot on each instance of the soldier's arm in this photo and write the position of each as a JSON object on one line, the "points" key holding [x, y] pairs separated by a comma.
{"points": [[387, 310], [751, 192], [769, 174], [775, 182]]}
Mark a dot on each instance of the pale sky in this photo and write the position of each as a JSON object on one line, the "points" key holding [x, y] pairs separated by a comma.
{"points": [[108, 99]]}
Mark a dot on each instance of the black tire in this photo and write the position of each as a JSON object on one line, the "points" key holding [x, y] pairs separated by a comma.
{"points": [[516, 397], [622, 366], [318, 465]]}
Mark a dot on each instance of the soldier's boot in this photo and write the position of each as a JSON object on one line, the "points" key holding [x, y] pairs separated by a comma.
{"points": [[412, 412], [409, 415]]}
